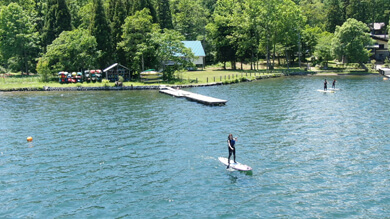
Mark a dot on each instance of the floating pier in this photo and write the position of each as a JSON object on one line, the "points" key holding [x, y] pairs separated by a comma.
{"points": [[192, 96]]}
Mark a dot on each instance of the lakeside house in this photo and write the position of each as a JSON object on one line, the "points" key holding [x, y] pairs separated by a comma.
{"points": [[380, 49], [115, 70], [197, 48]]}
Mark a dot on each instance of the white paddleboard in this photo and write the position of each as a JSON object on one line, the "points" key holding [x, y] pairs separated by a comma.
{"points": [[326, 91], [236, 166], [334, 88]]}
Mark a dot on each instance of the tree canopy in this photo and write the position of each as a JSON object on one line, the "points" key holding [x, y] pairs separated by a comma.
{"points": [[350, 42], [232, 31], [72, 50]]}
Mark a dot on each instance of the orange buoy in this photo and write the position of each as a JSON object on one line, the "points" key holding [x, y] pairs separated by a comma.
{"points": [[29, 138]]}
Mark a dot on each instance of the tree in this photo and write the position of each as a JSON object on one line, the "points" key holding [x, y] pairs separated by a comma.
{"points": [[334, 15], [313, 10], [350, 42], [139, 5], [136, 40], [164, 14], [119, 15], [289, 28], [100, 28], [323, 49], [72, 51], [169, 48], [57, 19], [220, 31], [368, 11], [18, 39], [309, 39], [189, 18]]}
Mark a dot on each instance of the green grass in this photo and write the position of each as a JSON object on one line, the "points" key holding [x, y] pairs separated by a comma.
{"points": [[218, 75]]}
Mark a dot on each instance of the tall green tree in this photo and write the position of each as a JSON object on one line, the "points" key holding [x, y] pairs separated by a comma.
{"points": [[334, 14], [189, 18], [57, 19], [368, 11], [18, 38], [290, 26], [323, 49], [100, 28], [119, 15], [136, 40], [220, 31], [164, 14], [72, 51], [313, 10], [350, 42], [138, 5], [75, 9]]}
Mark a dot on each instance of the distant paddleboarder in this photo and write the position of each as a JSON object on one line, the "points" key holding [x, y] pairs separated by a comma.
{"points": [[325, 85], [334, 84], [232, 150]]}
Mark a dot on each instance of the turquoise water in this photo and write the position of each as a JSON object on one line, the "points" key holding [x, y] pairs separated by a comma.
{"points": [[142, 154]]}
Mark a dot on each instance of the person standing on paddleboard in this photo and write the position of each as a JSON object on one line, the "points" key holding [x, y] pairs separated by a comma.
{"points": [[232, 150], [325, 85], [334, 84]]}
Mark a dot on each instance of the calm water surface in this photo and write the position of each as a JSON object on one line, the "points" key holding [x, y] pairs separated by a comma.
{"points": [[141, 154]]}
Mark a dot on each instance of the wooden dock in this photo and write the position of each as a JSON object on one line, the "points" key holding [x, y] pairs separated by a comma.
{"points": [[192, 96]]}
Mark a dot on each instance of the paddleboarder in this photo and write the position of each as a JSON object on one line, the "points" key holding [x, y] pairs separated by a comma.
{"points": [[334, 84], [325, 85], [232, 150]]}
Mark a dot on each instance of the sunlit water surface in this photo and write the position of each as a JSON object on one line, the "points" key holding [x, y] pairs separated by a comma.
{"points": [[142, 154]]}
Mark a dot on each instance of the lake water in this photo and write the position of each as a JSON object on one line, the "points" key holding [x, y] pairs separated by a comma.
{"points": [[142, 154]]}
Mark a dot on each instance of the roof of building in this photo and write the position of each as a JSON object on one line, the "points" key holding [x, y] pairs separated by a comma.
{"points": [[196, 47], [114, 65], [380, 37]]}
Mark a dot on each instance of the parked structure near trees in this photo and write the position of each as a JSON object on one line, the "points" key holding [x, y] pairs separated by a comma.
{"points": [[114, 71]]}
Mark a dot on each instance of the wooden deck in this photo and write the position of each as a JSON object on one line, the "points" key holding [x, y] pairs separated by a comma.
{"points": [[192, 96]]}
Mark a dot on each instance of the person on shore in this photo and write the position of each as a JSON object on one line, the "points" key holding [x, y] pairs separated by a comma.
{"points": [[325, 85], [334, 84], [232, 150]]}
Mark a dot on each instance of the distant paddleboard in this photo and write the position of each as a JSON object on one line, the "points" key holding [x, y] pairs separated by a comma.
{"points": [[236, 166], [326, 91], [334, 88]]}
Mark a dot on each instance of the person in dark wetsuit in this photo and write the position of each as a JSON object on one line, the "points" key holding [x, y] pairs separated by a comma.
{"points": [[232, 150], [325, 85], [334, 84]]}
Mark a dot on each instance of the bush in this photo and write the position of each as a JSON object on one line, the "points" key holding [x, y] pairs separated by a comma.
{"points": [[43, 70]]}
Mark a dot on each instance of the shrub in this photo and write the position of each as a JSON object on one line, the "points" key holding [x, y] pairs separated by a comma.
{"points": [[43, 70]]}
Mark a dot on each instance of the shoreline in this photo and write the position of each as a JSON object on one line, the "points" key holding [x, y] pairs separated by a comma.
{"points": [[145, 87], [157, 87]]}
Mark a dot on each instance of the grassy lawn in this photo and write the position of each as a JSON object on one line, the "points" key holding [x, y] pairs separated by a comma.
{"points": [[217, 75]]}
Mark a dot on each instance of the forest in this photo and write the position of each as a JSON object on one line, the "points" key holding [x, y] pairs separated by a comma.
{"points": [[47, 36]]}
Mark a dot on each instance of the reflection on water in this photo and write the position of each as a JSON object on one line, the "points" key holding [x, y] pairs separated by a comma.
{"points": [[142, 154]]}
